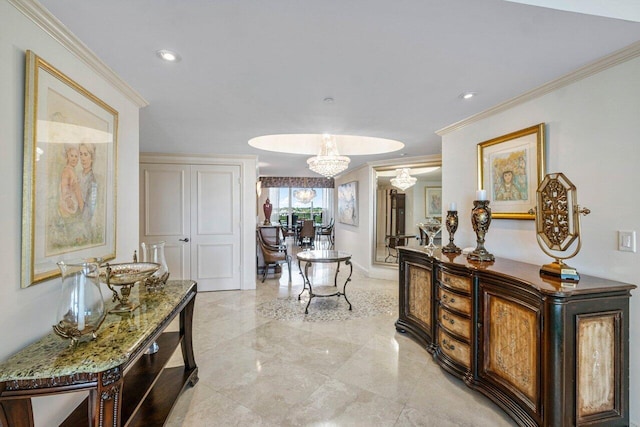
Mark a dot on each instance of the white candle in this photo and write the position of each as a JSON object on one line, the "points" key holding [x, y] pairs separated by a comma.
{"points": [[80, 291], [452, 206], [481, 195]]}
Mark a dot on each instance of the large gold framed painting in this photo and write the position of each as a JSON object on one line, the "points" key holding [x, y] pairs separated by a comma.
{"points": [[69, 177], [510, 168]]}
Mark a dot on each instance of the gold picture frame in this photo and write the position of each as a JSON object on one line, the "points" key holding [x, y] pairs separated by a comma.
{"points": [[69, 175], [510, 168]]}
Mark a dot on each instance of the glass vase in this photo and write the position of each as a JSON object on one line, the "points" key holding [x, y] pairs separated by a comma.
{"points": [[431, 228], [154, 252], [81, 308]]}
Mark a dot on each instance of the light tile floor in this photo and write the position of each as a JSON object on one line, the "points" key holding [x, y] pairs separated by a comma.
{"points": [[258, 371]]}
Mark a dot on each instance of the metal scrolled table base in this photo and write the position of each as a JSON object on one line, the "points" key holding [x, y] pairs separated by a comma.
{"points": [[307, 282]]}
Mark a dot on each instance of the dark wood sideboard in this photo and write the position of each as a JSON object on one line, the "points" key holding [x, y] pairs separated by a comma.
{"points": [[126, 386], [548, 353]]}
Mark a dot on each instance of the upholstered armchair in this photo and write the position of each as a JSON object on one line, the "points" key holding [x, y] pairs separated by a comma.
{"points": [[273, 254]]}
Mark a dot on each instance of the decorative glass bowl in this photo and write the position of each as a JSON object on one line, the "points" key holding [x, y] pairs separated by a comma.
{"points": [[431, 228], [125, 275]]}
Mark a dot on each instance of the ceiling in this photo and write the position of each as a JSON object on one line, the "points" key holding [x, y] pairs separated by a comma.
{"points": [[394, 68]]}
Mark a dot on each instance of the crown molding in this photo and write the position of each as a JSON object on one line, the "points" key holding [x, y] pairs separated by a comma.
{"points": [[56, 29], [623, 55], [196, 159], [432, 159]]}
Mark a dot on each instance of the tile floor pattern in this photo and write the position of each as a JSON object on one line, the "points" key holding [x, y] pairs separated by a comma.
{"points": [[260, 371]]}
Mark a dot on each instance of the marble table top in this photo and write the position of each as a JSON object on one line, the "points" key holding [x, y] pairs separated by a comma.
{"points": [[118, 337]]}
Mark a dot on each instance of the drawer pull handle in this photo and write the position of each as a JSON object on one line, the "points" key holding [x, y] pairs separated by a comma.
{"points": [[448, 346], [446, 297], [450, 319]]}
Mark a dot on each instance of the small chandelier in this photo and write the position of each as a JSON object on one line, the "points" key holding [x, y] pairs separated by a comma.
{"points": [[305, 195], [329, 162], [403, 180]]}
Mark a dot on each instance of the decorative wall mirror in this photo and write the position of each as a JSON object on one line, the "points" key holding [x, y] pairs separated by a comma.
{"points": [[397, 211]]}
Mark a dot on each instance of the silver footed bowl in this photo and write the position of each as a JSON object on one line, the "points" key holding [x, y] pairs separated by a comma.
{"points": [[128, 273]]}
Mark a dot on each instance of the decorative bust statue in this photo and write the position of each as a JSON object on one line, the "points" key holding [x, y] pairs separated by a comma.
{"points": [[267, 208]]}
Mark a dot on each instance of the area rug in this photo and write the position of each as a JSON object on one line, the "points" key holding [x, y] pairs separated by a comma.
{"points": [[364, 304]]}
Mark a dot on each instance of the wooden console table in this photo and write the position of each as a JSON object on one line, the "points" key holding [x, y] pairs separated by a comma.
{"points": [[548, 353], [126, 386]]}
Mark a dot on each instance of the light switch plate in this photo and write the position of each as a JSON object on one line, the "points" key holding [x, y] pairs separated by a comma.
{"points": [[627, 241]]}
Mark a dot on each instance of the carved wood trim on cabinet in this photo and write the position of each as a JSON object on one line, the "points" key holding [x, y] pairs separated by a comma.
{"points": [[547, 354]]}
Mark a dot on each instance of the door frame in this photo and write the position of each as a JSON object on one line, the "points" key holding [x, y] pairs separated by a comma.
{"points": [[248, 201]]}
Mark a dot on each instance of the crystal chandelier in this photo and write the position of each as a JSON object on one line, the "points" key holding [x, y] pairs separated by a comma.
{"points": [[305, 195], [329, 162], [403, 180]]}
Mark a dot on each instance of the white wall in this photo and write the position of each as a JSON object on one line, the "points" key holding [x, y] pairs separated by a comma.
{"points": [[592, 137], [357, 239], [27, 314]]}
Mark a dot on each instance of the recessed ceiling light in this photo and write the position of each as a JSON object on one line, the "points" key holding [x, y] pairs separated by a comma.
{"points": [[467, 95], [328, 100], [168, 55]]}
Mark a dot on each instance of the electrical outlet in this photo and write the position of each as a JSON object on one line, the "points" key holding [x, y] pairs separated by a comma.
{"points": [[627, 241]]}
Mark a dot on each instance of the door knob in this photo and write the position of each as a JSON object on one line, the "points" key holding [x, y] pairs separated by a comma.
{"points": [[186, 239]]}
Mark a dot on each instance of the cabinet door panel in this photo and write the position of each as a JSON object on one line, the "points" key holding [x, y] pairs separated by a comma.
{"points": [[598, 381], [420, 288], [512, 346]]}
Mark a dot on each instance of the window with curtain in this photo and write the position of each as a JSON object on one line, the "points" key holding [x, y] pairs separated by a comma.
{"points": [[287, 207], [297, 198]]}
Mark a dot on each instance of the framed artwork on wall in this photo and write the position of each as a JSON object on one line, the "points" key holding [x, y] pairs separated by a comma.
{"points": [[348, 203], [69, 175], [433, 202], [510, 168]]}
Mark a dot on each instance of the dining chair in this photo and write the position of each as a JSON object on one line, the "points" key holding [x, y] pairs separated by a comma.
{"points": [[307, 234], [392, 242], [327, 231]]}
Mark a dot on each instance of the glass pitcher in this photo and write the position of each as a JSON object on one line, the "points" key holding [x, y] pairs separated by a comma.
{"points": [[81, 308], [154, 252]]}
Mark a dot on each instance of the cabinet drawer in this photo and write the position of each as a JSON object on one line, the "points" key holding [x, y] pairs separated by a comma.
{"points": [[455, 301], [455, 349], [455, 282], [454, 323]]}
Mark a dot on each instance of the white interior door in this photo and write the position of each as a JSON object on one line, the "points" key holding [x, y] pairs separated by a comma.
{"points": [[215, 227], [165, 212]]}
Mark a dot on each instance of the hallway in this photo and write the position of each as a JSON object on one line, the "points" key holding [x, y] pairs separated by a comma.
{"points": [[356, 370]]}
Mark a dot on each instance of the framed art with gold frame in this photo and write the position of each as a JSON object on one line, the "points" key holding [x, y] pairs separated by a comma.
{"points": [[69, 176], [510, 168]]}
